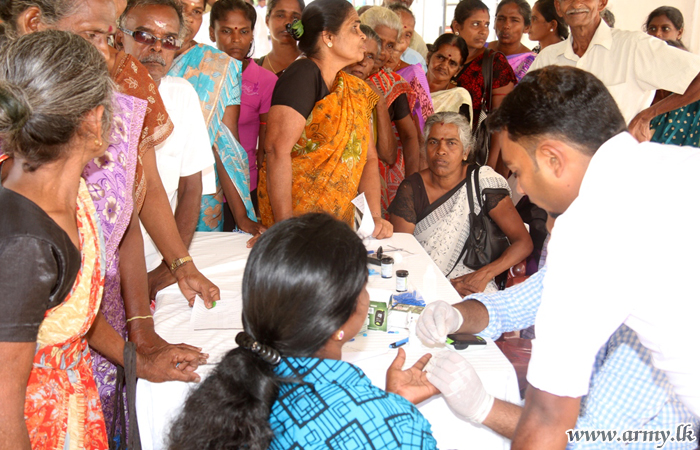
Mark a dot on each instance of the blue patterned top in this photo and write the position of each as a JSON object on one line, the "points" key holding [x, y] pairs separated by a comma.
{"points": [[338, 407]]}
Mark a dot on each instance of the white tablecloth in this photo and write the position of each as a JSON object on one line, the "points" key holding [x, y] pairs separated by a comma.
{"points": [[222, 258]]}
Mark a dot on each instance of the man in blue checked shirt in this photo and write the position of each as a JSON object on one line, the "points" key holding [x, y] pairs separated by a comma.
{"points": [[626, 391]]}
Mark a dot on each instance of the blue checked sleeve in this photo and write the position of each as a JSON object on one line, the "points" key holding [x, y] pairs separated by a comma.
{"points": [[514, 308]]}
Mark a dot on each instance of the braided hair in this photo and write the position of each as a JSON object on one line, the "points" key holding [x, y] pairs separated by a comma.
{"points": [[301, 283]]}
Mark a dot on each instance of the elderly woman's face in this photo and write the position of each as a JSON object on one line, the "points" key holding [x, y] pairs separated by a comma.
{"points": [[444, 149]]}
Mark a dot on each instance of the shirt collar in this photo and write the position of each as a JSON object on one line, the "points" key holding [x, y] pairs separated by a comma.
{"points": [[321, 371], [602, 37]]}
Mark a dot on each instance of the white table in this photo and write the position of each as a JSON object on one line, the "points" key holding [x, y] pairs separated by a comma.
{"points": [[222, 258]]}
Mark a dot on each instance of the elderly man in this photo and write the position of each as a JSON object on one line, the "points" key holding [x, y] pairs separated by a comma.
{"points": [[565, 139], [150, 31], [631, 65]]}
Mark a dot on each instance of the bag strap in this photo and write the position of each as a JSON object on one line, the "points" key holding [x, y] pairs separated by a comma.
{"points": [[133, 438], [473, 169], [473, 174], [487, 72]]}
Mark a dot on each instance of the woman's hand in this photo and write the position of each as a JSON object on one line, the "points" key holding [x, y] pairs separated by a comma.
{"points": [[192, 283], [382, 228], [640, 127], [411, 384], [472, 282], [251, 227], [143, 334], [171, 363]]}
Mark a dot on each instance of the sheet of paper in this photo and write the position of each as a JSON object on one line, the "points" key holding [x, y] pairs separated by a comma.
{"points": [[367, 225], [226, 315]]}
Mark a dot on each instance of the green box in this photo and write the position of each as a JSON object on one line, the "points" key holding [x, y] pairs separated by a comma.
{"points": [[378, 316]]}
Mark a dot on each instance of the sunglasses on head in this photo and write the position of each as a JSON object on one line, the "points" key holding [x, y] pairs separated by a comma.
{"points": [[144, 37]]}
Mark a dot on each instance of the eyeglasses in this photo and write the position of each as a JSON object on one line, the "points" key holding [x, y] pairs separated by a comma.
{"points": [[143, 37]]}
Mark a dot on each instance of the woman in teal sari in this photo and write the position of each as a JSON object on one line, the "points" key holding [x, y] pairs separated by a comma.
{"points": [[217, 79]]}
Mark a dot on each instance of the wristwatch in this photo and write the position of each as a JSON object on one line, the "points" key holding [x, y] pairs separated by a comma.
{"points": [[179, 262]]}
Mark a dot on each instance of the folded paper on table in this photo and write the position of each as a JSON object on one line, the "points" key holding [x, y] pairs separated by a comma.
{"points": [[367, 225], [226, 315]]}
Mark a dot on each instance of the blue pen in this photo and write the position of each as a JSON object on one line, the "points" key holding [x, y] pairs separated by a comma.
{"points": [[398, 344]]}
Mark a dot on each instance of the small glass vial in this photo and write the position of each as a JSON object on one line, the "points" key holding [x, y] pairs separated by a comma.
{"points": [[401, 280], [387, 267]]}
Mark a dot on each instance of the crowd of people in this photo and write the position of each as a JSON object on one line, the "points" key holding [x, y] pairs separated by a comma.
{"points": [[122, 134]]}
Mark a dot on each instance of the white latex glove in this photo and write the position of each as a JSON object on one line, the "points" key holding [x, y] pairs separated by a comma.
{"points": [[460, 385], [437, 321]]}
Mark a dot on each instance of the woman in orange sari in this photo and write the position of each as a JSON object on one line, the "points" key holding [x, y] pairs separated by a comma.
{"points": [[319, 147], [55, 115]]}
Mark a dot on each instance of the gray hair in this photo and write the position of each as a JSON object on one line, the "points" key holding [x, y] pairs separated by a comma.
{"points": [[51, 11], [379, 15], [371, 34], [450, 118], [174, 4], [49, 80]]}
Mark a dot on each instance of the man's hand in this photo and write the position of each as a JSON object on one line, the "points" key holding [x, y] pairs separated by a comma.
{"points": [[460, 385], [437, 321], [471, 283], [171, 363], [193, 283], [412, 383], [382, 228], [158, 279], [640, 127]]}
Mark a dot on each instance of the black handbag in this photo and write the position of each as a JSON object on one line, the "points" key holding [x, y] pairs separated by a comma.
{"points": [[482, 137], [486, 242]]}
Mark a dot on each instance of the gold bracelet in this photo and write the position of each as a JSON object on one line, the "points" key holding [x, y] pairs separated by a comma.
{"points": [[139, 317], [180, 262]]}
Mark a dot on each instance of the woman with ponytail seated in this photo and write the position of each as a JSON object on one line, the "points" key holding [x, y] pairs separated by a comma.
{"points": [[285, 386]]}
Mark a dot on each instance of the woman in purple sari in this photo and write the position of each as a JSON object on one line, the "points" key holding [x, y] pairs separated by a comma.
{"points": [[110, 181], [512, 21]]}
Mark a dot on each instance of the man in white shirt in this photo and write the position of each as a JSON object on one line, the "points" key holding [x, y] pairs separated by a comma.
{"points": [[631, 64], [150, 32], [613, 258]]}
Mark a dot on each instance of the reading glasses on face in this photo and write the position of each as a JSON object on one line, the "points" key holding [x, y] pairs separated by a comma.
{"points": [[144, 37]]}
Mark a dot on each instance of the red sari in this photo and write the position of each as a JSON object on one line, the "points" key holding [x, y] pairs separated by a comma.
{"points": [[62, 404], [391, 176]]}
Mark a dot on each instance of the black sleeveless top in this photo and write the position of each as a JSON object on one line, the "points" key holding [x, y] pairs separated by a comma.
{"points": [[38, 266]]}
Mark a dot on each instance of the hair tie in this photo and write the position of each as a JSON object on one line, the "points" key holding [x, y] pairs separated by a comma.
{"points": [[296, 29], [262, 351]]}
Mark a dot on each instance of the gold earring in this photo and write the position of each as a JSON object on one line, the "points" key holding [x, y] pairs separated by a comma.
{"points": [[330, 44], [98, 142], [341, 334]]}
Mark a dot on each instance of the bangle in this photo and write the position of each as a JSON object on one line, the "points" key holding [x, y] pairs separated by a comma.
{"points": [[139, 317], [180, 262], [263, 123]]}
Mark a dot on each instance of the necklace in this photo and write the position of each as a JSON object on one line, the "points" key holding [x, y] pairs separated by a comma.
{"points": [[269, 63]]}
